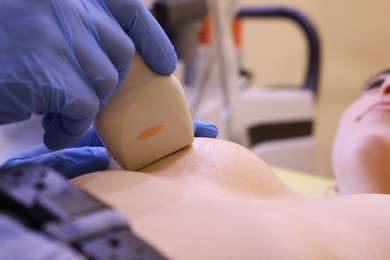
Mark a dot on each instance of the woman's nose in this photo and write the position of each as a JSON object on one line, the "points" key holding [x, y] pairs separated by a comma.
{"points": [[385, 87]]}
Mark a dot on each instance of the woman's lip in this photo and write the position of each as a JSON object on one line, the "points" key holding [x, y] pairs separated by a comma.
{"points": [[384, 105]]}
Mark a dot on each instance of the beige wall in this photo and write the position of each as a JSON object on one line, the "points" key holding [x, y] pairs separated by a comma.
{"points": [[355, 39]]}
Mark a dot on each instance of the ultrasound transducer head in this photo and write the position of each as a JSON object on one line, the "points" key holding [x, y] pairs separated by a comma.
{"points": [[147, 119]]}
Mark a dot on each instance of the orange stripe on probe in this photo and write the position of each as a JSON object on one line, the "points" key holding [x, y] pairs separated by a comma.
{"points": [[150, 132]]}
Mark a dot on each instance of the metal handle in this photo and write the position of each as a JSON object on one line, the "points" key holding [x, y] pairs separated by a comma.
{"points": [[314, 57]]}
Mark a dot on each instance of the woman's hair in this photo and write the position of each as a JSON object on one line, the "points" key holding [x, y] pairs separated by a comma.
{"points": [[376, 80]]}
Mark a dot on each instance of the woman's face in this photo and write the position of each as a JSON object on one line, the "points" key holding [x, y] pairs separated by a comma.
{"points": [[361, 150]]}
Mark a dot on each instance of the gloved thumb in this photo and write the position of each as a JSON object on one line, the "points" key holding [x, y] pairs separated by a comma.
{"points": [[203, 128]]}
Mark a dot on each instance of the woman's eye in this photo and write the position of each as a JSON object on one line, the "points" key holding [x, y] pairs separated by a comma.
{"points": [[374, 85]]}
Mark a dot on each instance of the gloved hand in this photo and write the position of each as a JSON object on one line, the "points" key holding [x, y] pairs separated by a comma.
{"points": [[87, 155], [65, 59]]}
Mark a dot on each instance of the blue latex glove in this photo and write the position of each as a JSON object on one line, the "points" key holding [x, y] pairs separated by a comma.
{"points": [[203, 128], [87, 155], [65, 58]]}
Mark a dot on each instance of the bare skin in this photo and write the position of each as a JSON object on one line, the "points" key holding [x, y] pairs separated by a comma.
{"points": [[217, 200], [362, 145]]}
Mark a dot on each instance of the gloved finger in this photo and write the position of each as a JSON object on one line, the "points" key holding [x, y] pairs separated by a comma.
{"points": [[146, 33], [99, 71], [90, 138], [70, 162], [113, 39], [62, 130], [203, 128], [104, 53], [18, 103]]}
